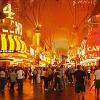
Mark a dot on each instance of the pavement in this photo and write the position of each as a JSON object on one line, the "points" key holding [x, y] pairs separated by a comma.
{"points": [[36, 92]]}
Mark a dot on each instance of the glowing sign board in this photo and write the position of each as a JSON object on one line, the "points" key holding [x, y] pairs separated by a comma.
{"points": [[93, 48], [10, 25]]}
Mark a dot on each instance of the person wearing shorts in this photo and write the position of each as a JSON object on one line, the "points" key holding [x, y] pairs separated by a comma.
{"points": [[79, 82]]}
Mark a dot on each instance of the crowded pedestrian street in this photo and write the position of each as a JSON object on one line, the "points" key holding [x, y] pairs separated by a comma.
{"points": [[36, 92], [49, 49]]}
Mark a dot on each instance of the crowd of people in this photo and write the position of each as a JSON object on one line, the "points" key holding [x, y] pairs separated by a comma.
{"points": [[54, 78]]}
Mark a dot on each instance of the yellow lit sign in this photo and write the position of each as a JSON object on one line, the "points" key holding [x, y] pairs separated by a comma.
{"points": [[22, 45], [3, 42], [13, 26], [7, 10], [11, 42], [18, 46]]}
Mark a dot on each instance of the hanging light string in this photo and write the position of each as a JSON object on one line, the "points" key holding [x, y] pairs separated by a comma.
{"points": [[78, 12], [31, 10]]}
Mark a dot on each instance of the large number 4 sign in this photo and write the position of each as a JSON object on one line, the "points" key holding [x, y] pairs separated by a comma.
{"points": [[8, 12], [14, 26]]}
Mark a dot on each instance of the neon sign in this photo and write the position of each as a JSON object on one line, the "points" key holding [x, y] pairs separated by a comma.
{"points": [[7, 10], [83, 2], [93, 48], [10, 25]]}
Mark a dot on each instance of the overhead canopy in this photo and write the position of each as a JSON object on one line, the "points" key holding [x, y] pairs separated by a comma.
{"points": [[96, 9]]}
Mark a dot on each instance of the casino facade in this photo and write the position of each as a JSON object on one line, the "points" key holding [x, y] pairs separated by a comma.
{"points": [[12, 45]]}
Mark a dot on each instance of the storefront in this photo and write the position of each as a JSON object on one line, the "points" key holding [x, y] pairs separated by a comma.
{"points": [[11, 44]]}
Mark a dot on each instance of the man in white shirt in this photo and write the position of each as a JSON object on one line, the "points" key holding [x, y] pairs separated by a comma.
{"points": [[20, 75], [13, 80]]}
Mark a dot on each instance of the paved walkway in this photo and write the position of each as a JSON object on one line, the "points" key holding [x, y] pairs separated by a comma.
{"points": [[37, 92]]}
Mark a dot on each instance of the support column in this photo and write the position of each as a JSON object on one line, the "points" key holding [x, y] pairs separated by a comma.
{"points": [[37, 45]]}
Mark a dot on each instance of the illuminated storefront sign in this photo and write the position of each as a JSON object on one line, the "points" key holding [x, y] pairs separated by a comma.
{"points": [[17, 42], [93, 48], [22, 45], [11, 26], [8, 12], [11, 32], [11, 42], [3, 42]]}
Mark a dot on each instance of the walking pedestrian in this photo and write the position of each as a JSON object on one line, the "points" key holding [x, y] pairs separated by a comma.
{"points": [[79, 82], [57, 81], [2, 79], [34, 76], [46, 80], [20, 75], [13, 77], [97, 79]]}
